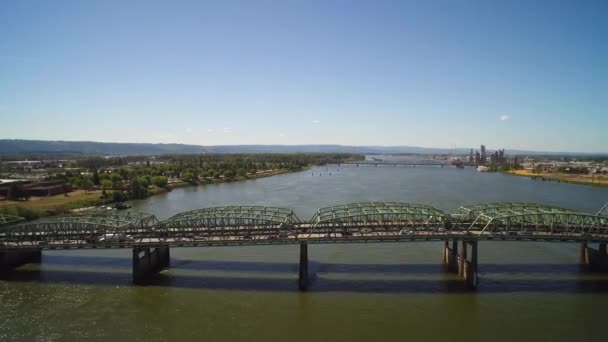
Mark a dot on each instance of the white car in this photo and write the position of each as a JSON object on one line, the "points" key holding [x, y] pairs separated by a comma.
{"points": [[115, 237]]}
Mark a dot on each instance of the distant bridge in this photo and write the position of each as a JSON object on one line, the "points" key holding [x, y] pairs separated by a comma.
{"points": [[395, 164], [367, 222]]}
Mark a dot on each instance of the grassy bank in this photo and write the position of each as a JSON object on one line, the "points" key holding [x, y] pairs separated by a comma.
{"points": [[47, 206], [60, 204], [598, 180]]}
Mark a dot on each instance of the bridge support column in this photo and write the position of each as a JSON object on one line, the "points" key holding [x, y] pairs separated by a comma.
{"points": [[470, 268], [595, 260], [12, 259], [149, 261], [462, 258], [450, 255], [303, 274]]}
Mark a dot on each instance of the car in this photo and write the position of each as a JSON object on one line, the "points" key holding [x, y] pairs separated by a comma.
{"points": [[406, 232], [115, 237]]}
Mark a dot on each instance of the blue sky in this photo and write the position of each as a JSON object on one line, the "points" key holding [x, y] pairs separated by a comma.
{"points": [[515, 74]]}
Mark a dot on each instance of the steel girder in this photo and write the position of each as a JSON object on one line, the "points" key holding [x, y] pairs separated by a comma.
{"points": [[81, 228], [378, 218], [604, 210], [228, 222], [510, 218], [507, 208], [9, 219]]}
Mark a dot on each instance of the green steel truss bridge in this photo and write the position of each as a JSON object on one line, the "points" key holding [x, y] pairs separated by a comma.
{"points": [[366, 222], [353, 222]]}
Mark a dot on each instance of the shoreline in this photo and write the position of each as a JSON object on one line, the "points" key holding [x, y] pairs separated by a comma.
{"points": [[560, 178], [41, 207]]}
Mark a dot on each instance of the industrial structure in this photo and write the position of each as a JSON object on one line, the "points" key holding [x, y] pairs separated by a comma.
{"points": [[365, 222]]}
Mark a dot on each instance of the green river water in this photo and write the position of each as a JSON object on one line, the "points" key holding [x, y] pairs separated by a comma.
{"points": [[530, 291]]}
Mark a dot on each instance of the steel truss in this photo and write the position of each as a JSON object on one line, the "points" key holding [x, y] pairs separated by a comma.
{"points": [[354, 222], [6, 220], [511, 218], [78, 229], [604, 210], [378, 219], [228, 223]]}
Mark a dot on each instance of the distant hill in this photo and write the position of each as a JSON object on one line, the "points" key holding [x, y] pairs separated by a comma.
{"points": [[42, 147], [88, 147]]}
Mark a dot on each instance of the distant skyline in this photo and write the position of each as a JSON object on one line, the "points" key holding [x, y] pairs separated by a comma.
{"points": [[444, 74]]}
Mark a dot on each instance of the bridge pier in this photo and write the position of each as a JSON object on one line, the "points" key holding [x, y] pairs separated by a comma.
{"points": [[149, 261], [595, 260], [12, 259], [470, 267], [450, 255], [461, 259], [458, 262], [303, 273]]}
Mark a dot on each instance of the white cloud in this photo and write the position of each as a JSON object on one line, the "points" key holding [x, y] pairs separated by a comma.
{"points": [[316, 122], [504, 117], [188, 130]]}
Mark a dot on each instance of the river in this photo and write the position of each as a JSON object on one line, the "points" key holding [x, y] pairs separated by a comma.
{"points": [[366, 292]]}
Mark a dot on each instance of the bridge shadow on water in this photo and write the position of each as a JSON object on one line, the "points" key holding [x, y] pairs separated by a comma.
{"points": [[325, 277]]}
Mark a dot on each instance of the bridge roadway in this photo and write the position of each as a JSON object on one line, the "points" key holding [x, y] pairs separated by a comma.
{"points": [[376, 163], [369, 222]]}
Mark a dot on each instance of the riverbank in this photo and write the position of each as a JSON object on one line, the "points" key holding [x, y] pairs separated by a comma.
{"points": [[598, 180], [37, 207]]}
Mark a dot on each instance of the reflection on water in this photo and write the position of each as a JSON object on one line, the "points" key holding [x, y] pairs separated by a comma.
{"points": [[261, 276], [359, 292]]}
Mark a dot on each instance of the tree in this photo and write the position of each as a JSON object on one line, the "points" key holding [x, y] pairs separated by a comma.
{"points": [[138, 190], [188, 176], [116, 181], [228, 173], [96, 180], [86, 183], [106, 184], [159, 181], [118, 196]]}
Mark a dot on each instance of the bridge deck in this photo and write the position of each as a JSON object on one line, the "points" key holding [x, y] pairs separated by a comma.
{"points": [[348, 223]]}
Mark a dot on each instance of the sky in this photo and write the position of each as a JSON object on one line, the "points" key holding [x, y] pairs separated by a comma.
{"points": [[516, 74]]}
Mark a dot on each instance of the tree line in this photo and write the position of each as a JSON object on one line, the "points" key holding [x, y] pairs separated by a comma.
{"points": [[122, 178]]}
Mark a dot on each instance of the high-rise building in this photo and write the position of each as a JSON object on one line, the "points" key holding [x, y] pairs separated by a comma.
{"points": [[483, 155]]}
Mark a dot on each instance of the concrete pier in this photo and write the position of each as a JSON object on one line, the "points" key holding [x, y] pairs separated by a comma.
{"points": [[12, 259], [594, 260], [470, 272], [303, 274], [458, 262], [149, 261], [450, 256], [462, 258]]}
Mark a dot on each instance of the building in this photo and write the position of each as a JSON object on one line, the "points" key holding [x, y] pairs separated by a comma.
{"points": [[484, 158], [38, 189]]}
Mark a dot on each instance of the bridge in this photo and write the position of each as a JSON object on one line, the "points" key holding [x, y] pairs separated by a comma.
{"points": [[396, 163], [367, 222]]}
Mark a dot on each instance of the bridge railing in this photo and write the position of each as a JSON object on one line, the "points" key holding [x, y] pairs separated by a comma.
{"points": [[227, 223], [77, 229]]}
